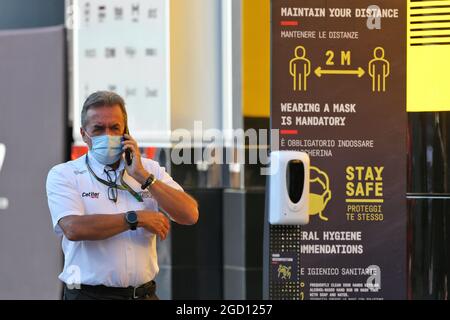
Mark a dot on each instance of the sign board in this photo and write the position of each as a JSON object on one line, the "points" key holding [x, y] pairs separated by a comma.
{"points": [[123, 46], [339, 94]]}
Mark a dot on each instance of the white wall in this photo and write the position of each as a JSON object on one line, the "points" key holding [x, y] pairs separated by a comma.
{"points": [[196, 63]]}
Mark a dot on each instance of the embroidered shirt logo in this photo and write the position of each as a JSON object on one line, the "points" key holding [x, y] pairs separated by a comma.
{"points": [[145, 194], [92, 195]]}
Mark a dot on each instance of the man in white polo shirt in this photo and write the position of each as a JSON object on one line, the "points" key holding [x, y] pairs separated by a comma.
{"points": [[106, 207]]}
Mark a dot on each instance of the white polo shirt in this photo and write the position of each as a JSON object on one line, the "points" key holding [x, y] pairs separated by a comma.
{"points": [[126, 259]]}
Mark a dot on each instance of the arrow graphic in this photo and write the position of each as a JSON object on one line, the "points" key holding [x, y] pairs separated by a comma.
{"points": [[359, 72]]}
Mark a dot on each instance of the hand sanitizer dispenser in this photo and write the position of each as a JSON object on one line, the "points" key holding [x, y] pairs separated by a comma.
{"points": [[289, 188]]}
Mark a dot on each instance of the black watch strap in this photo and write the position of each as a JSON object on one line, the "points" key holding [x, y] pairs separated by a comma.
{"points": [[148, 182]]}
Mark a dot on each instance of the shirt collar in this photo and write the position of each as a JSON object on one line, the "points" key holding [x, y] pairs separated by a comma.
{"points": [[99, 169]]}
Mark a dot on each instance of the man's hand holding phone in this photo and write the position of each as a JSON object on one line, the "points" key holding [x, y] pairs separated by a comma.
{"points": [[135, 169]]}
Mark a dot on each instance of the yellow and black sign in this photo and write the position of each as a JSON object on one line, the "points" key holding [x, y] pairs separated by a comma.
{"points": [[339, 94], [428, 43]]}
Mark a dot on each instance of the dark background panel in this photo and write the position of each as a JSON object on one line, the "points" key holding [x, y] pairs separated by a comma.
{"points": [[243, 243], [428, 152], [18, 14], [429, 247], [32, 126], [197, 251]]}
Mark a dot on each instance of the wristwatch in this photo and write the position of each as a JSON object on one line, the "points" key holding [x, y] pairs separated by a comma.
{"points": [[132, 219], [147, 183]]}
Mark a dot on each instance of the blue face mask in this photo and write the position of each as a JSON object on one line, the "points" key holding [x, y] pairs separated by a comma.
{"points": [[106, 149]]}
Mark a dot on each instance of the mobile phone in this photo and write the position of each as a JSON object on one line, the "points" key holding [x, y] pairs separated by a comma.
{"points": [[128, 157]]}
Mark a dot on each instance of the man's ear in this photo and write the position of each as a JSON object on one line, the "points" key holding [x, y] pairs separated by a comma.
{"points": [[84, 137]]}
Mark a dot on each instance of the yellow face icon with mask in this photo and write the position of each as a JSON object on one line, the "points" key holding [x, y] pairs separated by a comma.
{"points": [[317, 202]]}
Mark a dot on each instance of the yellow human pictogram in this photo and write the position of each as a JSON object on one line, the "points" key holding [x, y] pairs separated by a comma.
{"points": [[284, 272], [300, 69], [379, 70], [318, 202]]}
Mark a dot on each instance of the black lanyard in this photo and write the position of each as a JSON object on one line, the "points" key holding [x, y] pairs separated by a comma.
{"points": [[124, 185]]}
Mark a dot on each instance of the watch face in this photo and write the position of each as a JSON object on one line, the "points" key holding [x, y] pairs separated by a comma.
{"points": [[132, 217]]}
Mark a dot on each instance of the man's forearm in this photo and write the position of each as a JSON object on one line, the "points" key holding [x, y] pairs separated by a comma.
{"points": [[93, 227], [181, 207]]}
